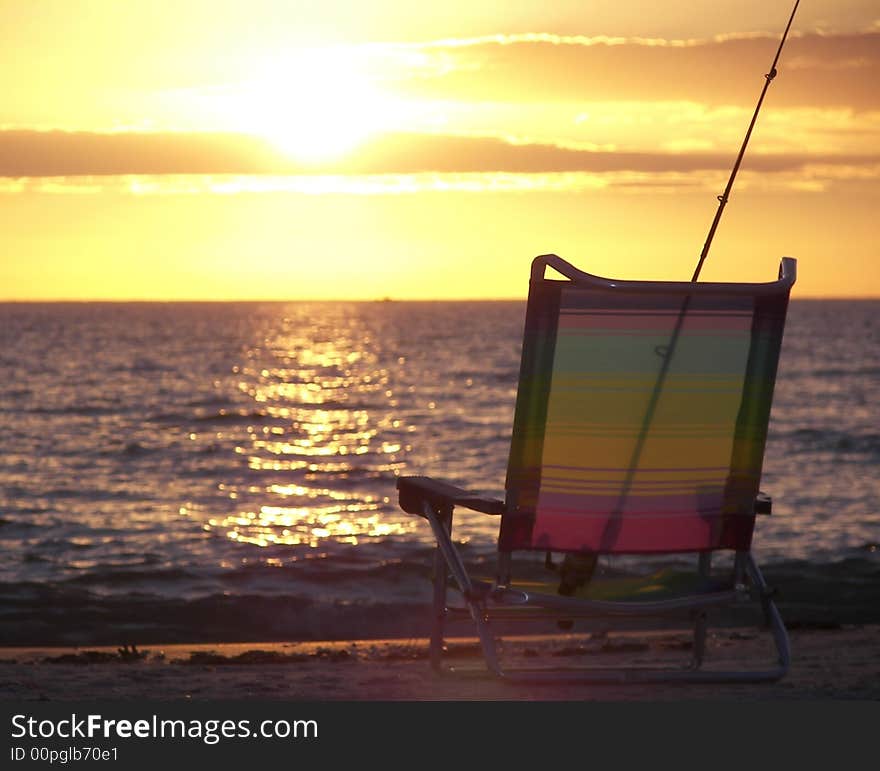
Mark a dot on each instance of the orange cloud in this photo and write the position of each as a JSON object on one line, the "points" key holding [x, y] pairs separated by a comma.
{"points": [[25, 153], [817, 69], [70, 154]]}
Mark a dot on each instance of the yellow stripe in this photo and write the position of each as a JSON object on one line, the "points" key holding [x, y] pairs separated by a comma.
{"points": [[608, 406], [613, 452]]}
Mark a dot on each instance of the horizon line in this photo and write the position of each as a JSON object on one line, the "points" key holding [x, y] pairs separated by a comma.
{"points": [[362, 300]]}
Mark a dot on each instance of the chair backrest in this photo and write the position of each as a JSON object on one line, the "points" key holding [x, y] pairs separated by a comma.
{"points": [[642, 412]]}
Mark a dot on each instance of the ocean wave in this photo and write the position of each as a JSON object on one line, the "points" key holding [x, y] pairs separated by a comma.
{"points": [[209, 401], [83, 410], [839, 372], [16, 393], [231, 416], [226, 414], [131, 449], [396, 603], [93, 494], [147, 364], [822, 440], [106, 575]]}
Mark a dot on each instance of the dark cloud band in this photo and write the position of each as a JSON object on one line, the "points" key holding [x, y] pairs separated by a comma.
{"points": [[67, 154]]}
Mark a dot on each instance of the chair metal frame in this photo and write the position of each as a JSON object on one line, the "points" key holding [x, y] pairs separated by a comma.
{"points": [[435, 501]]}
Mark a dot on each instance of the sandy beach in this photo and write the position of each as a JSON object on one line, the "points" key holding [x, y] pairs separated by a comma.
{"points": [[839, 663]]}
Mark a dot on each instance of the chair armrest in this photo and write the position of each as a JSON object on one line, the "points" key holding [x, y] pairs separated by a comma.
{"points": [[763, 503], [414, 491]]}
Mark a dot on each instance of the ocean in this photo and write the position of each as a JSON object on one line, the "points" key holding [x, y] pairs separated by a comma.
{"points": [[191, 472]]}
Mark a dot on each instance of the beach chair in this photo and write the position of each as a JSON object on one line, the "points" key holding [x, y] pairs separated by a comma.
{"points": [[640, 424]]}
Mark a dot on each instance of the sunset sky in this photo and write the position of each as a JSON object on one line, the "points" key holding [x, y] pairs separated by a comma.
{"points": [[263, 149]]}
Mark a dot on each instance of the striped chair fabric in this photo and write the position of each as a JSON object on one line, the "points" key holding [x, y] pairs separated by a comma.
{"points": [[641, 415]]}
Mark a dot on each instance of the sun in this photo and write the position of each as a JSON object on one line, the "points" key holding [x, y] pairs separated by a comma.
{"points": [[316, 105]]}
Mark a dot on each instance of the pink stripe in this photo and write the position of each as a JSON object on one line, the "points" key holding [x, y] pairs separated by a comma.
{"points": [[661, 534]]}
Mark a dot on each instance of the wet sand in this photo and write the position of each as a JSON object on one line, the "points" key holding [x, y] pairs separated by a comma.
{"points": [[838, 663]]}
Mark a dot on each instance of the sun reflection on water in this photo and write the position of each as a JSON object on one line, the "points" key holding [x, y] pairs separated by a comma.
{"points": [[294, 526], [324, 408]]}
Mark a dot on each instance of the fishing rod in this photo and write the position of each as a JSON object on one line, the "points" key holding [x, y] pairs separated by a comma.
{"points": [[724, 197], [666, 352]]}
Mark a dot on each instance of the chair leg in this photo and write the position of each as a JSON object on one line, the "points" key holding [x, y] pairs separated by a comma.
{"points": [[771, 615], [441, 576], [701, 623], [487, 639], [447, 560]]}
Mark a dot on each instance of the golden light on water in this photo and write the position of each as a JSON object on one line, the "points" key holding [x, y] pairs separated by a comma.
{"points": [[308, 525], [303, 388]]}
